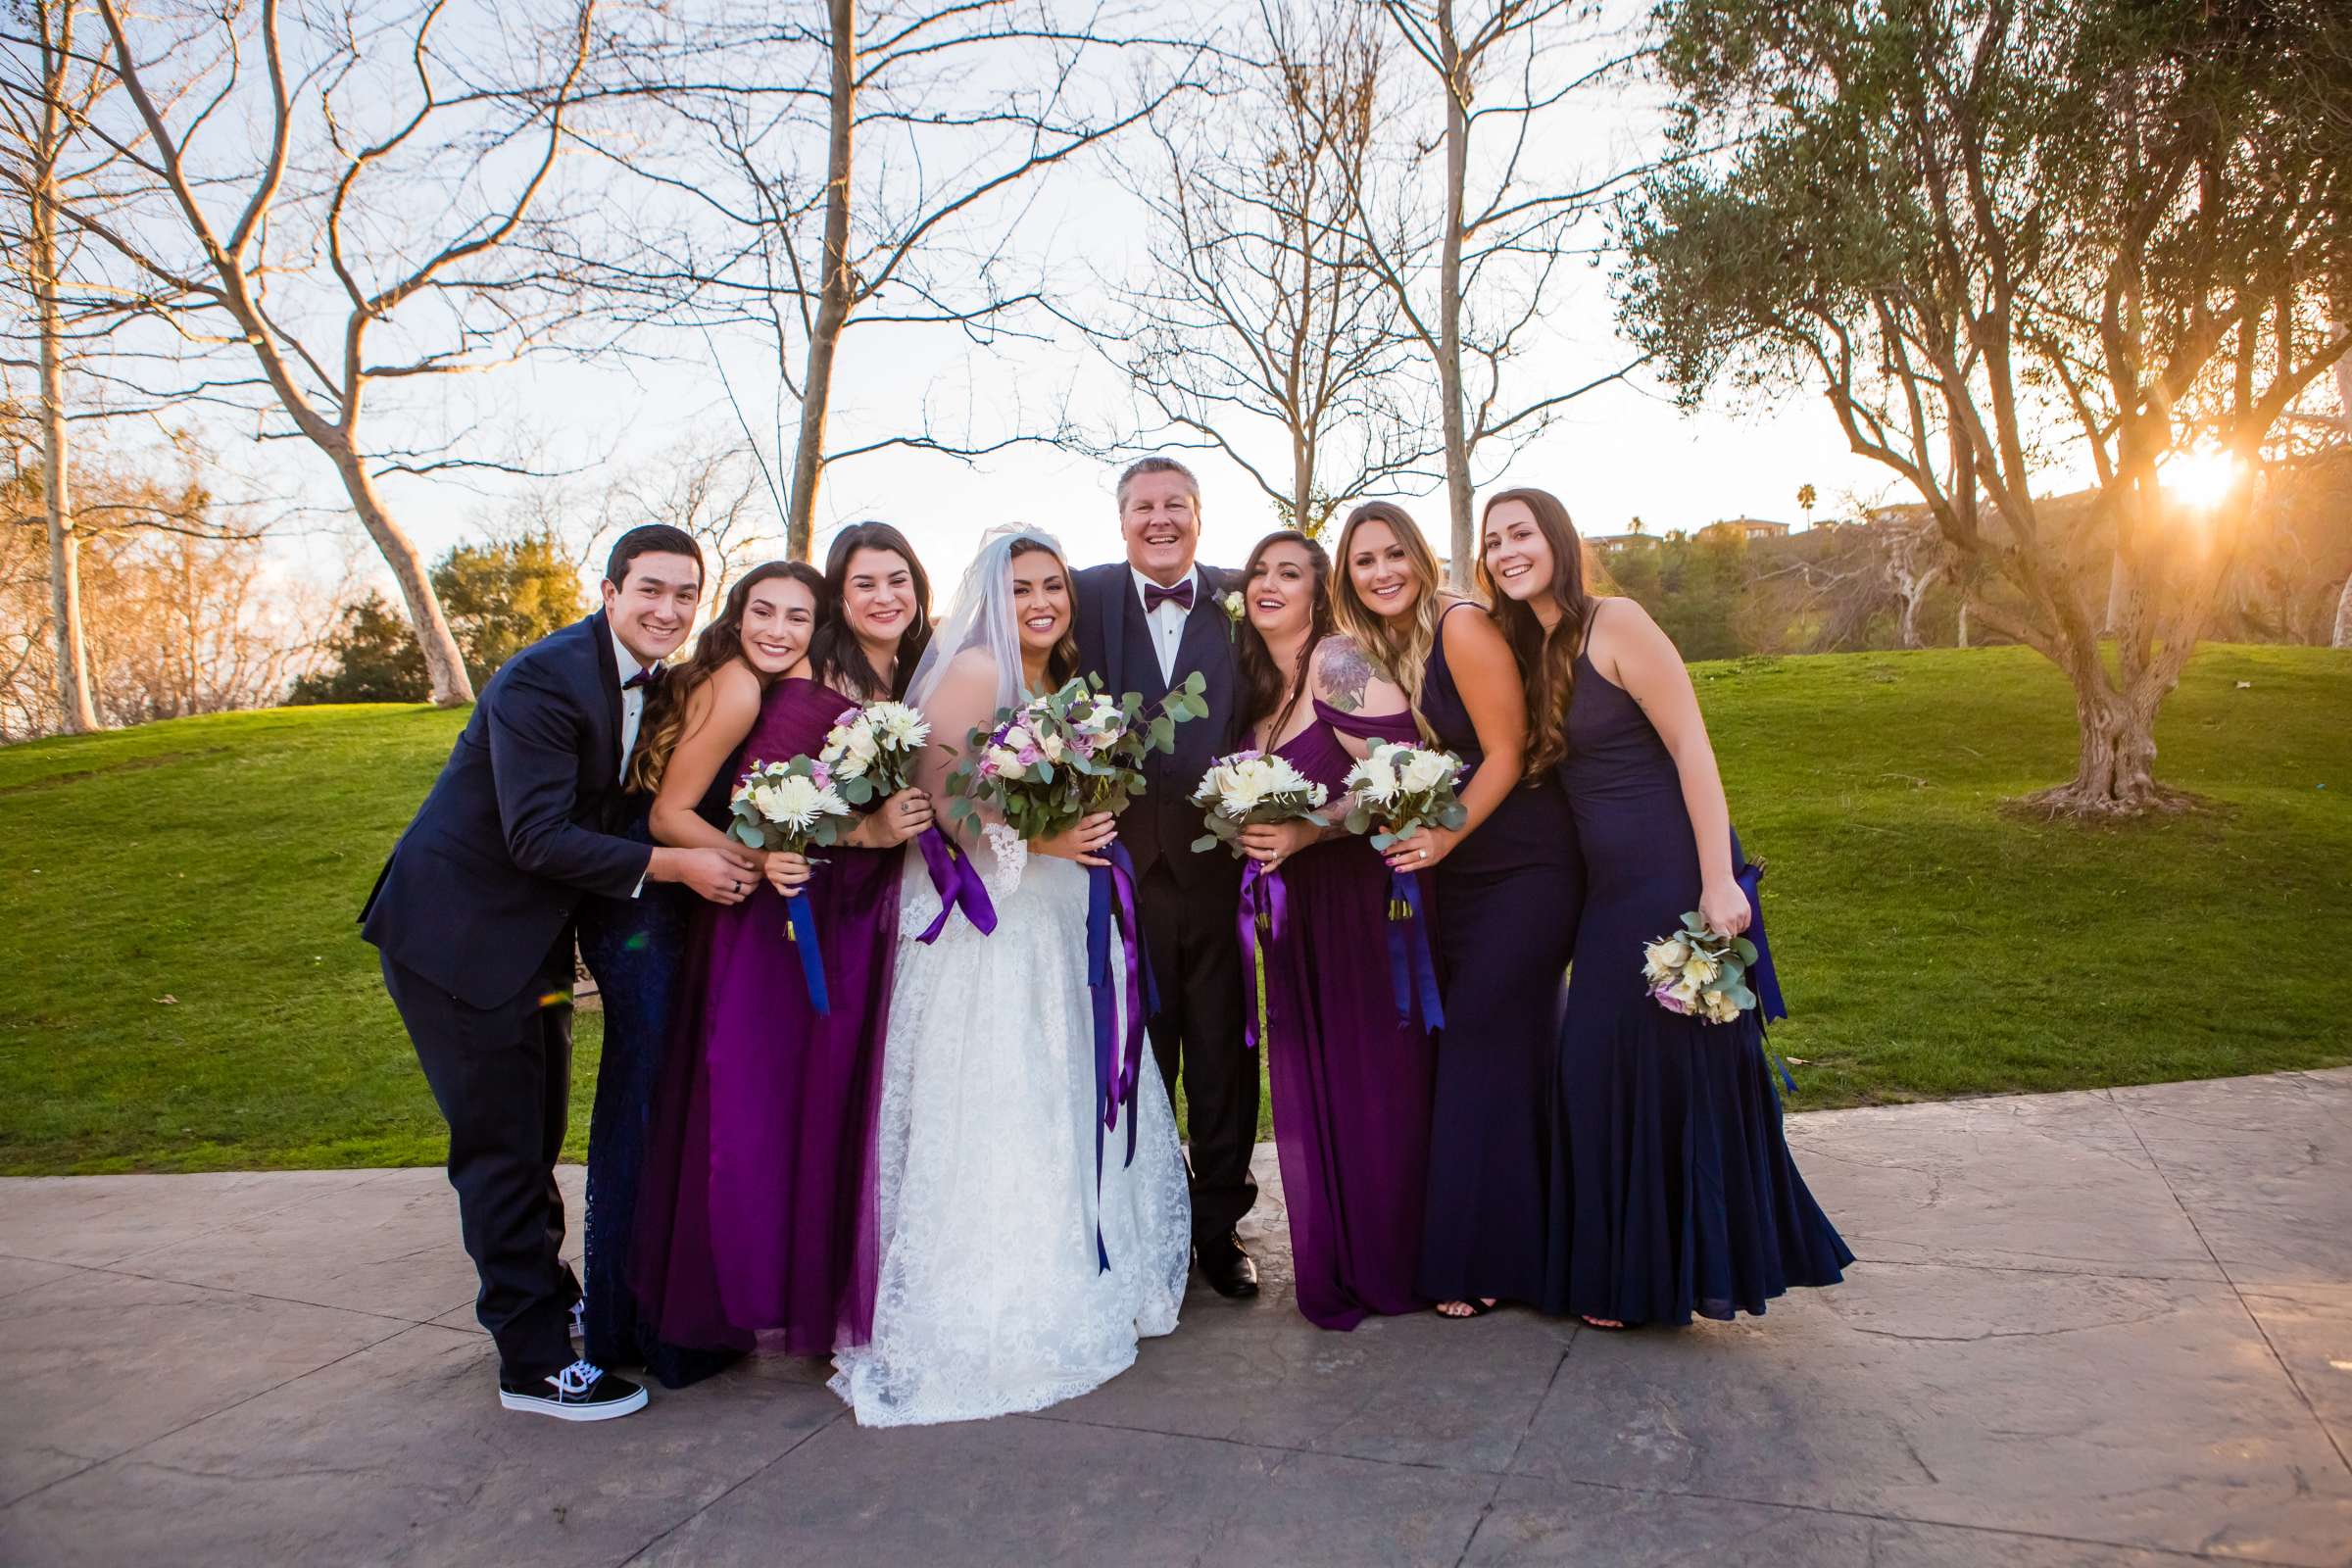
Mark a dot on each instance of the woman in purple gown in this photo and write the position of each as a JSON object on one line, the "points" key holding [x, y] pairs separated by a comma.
{"points": [[1673, 1191], [1350, 1077], [755, 1221], [1508, 887]]}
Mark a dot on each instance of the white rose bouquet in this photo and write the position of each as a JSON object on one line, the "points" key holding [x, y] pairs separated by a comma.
{"points": [[1250, 788], [1403, 789], [1699, 974], [870, 751]]}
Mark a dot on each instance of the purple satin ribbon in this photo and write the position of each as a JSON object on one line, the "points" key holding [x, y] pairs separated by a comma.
{"points": [[1264, 899], [1411, 971], [1109, 894], [958, 884]]}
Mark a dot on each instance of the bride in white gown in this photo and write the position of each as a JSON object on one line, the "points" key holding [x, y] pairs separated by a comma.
{"points": [[990, 1298]]}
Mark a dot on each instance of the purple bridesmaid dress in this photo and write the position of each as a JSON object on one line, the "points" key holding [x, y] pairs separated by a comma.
{"points": [[1351, 1078], [756, 1216]]}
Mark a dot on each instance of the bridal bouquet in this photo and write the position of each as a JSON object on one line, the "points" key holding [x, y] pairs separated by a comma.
{"points": [[1404, 789], [1251, 788], [871, 748], [791, 808], [1698, 973], [1066, 753]]}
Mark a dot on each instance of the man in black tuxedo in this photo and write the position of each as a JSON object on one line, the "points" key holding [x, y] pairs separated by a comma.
{"points": [[1143, 625], [472, 916]]}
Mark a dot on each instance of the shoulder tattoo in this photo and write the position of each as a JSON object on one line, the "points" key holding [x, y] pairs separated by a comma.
{"points": [[1345, 673]]}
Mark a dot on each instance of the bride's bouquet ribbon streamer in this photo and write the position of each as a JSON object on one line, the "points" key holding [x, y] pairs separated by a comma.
{"points": [[1411, 969], [1109, 896], [958, 884], [1263, 901]]}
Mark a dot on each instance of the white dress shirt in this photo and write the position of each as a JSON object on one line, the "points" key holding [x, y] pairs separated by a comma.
{"points": [[1166, 621], [632, 698], [632, 712]]}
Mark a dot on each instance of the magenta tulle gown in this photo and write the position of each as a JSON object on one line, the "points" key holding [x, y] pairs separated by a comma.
{"points": [[756, 1216], [1351, 1078]]}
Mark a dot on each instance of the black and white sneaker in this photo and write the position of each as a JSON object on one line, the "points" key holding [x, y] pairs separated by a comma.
{"points": [[581, 1391]]}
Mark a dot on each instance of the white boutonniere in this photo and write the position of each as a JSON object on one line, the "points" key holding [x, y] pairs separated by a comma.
{"points": [[1233, 607]]}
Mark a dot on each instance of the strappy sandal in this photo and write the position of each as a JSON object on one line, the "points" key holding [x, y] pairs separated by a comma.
{"points": [[1478, 1308]]}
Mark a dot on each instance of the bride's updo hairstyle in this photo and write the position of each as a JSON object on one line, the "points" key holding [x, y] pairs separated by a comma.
{"points": [[663, 722], [1401, 655]]}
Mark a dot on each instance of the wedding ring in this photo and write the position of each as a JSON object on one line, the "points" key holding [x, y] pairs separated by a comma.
{"points": [[1425, 854]]}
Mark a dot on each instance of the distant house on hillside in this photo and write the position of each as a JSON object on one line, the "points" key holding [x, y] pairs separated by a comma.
{"points": [[1748, 528]]}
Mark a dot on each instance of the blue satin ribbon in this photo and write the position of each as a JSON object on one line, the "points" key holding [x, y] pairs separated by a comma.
{"points": [[1264, 899], [800, 923], [1411, 969], [957, 885], [1109, 893]]}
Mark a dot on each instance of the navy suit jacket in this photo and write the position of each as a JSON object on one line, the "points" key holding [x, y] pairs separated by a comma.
{"points": [[1114, 643], [485, 882]]}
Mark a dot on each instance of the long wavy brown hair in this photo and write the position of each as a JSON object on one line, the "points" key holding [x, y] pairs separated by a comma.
{"points": [[1546, 658], [663, 722], [836, 654], [1063, 661], [1266, 687], [1403, 658]]}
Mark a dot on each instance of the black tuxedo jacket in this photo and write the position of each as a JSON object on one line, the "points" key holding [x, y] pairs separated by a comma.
{"points": [[1114, 643], [514, 832]]}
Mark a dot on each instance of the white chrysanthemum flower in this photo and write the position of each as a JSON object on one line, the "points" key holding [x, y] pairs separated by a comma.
{"points": [[796, 801], [901, 728]]}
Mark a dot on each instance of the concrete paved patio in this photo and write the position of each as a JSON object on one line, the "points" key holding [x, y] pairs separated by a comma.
{"points": [[2108, 1328]]}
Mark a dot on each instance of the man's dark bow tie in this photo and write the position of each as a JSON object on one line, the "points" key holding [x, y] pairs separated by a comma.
{"points": [[644, 678], [1155, 596]]}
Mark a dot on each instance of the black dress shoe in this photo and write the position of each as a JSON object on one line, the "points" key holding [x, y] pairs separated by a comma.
{"points": [[1228, 1270]]}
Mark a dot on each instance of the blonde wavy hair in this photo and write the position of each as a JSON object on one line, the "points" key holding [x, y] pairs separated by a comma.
{"points": [[1402, 657]]}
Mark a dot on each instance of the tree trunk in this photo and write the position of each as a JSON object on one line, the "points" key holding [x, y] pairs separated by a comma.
{"points": [[834, 286], [2343, 637], [2115, 767], [443, 662], [1961, 640], [1450, 297], [75, 712]]}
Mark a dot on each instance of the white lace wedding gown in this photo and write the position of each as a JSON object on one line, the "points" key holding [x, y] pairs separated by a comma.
{"points": [[990, 1300]]}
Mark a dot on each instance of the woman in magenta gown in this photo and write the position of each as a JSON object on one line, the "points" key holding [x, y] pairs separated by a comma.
{"points": [[1673, 1191], [1350, 1077], [756, 1216], [1508, 887]]}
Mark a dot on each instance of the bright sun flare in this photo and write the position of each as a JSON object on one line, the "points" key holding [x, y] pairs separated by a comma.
{"points": [[2201, 478]]}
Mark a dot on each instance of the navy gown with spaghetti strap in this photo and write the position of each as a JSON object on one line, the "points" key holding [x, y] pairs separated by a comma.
{"points": [[636, 948], [1509, 897], [1674, 1189]]}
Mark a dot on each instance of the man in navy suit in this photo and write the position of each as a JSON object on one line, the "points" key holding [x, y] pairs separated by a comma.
{"points": [[1143, 625], [472, 917]]}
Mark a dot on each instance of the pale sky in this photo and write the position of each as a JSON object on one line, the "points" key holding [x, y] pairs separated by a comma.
{"points": [[1618, 453]]}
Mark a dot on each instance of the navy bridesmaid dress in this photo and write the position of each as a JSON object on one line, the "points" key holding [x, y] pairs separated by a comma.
{"points": [[636, 948], [1673, 1191], [1507, 901]]}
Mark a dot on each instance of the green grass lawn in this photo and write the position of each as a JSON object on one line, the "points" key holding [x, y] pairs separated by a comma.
{"points": [[183, 986]]}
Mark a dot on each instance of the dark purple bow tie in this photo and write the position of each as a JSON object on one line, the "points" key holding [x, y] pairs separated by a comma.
{"points": [[1155, 596], [644, 678]]}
